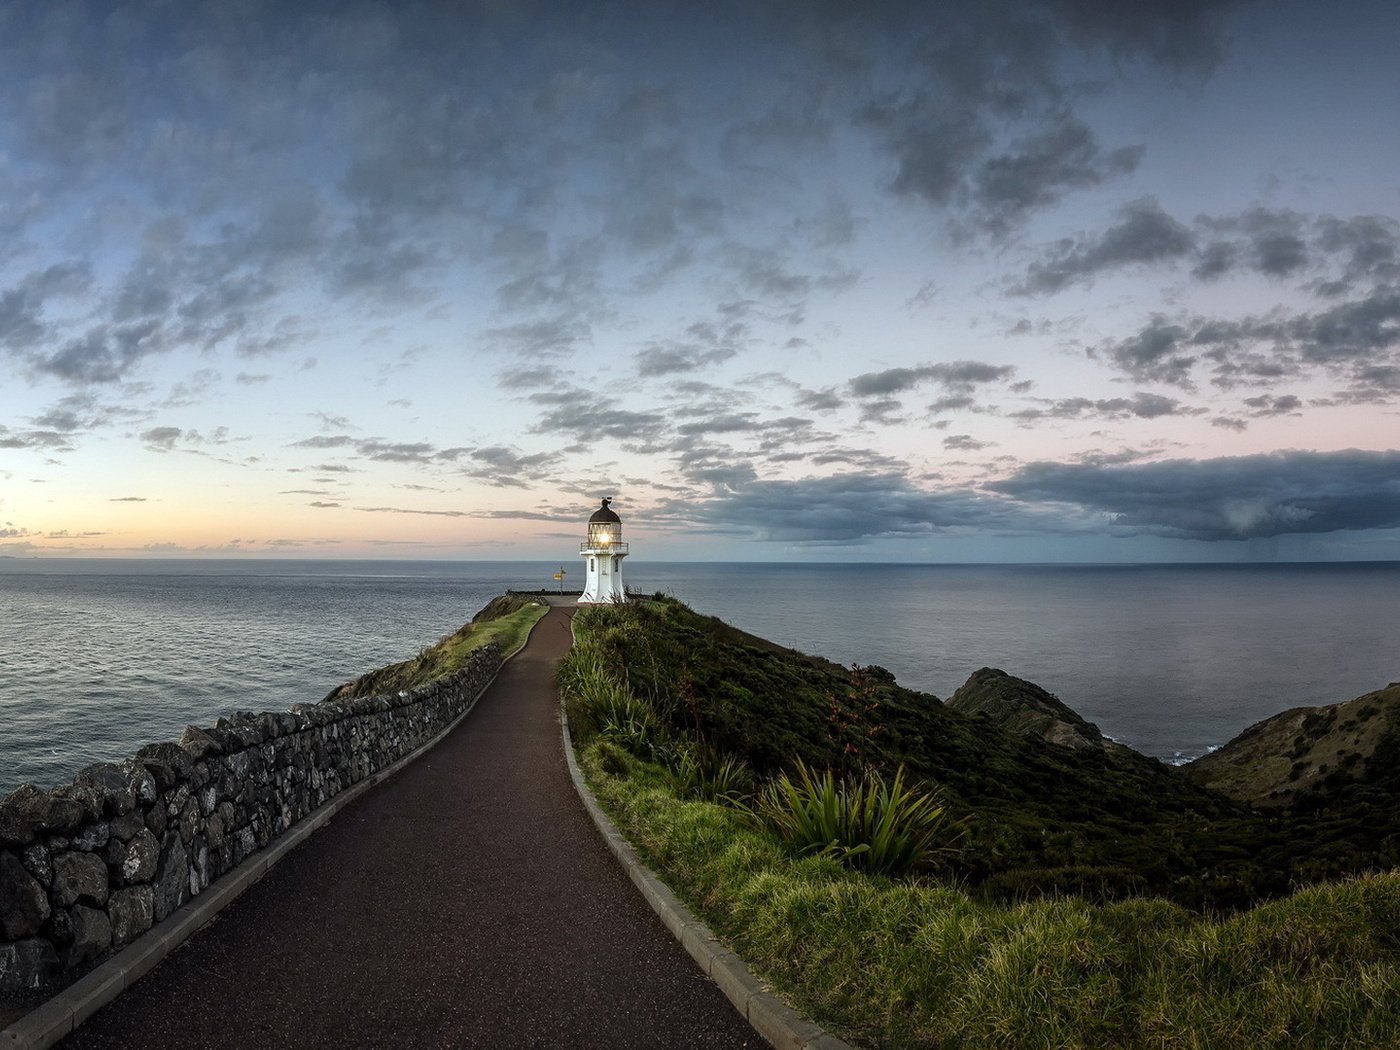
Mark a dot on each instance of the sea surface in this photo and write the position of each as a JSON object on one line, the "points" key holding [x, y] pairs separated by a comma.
{"points": [[98, 657]]}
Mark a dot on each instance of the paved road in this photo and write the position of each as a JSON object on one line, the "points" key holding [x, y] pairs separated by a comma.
{"points": [[467, 902]]}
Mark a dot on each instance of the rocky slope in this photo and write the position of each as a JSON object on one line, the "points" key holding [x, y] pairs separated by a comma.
{"points": [[1025, 708], [1305, 754]]}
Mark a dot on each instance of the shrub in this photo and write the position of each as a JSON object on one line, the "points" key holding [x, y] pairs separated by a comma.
{"points": [[863, 820], [700, 772]]}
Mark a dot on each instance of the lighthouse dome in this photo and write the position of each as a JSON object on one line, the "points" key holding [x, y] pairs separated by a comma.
{"points": [[604, 513]]}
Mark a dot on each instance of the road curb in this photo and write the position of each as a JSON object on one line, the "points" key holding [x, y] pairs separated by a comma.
{"points": [[59, 1015], [770, 1017]]}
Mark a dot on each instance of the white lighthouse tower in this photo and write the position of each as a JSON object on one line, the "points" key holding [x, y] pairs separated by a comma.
{"points": [[603, 552]]}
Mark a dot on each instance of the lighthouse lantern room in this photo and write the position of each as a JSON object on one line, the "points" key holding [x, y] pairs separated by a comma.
{"points": [[603, 552]]}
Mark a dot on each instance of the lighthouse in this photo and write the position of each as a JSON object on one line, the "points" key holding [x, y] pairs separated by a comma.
{"points": [[603, 552]]}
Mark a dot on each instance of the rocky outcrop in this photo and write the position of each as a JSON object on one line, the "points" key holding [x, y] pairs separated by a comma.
{"points": [[1024, 707], [88, 867]]}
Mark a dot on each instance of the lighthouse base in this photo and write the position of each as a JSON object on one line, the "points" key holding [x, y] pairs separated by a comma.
{"points": [[602, 578]]}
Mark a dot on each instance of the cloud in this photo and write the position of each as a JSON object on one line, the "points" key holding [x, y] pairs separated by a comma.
{"points": [[964, 443], [850, 508], [958, 376], [1271, 242], [1225, 499], [1042, 168], [1357, 340], [161, 439], [554, 337], [1140, 405], [411, 510], [673, 360], [1144, 234]]}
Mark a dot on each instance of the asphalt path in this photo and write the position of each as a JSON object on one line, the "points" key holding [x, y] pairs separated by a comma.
{"points": [[466, 902]]}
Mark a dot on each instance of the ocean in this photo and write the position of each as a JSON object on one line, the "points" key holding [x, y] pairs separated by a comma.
{"points": [[98, 657]]}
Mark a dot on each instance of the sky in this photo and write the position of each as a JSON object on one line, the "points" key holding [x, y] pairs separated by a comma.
{"points": [[1025, 281]]}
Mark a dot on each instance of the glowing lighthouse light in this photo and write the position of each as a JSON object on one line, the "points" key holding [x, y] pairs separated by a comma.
{"points": [[603, 552]]}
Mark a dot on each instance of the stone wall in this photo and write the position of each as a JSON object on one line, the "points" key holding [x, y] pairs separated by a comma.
{"points": [[87, 868]]}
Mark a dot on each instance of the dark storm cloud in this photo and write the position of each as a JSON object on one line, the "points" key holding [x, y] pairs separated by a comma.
{"points": [[851, 508], [1144, 234], [1226, 499]]}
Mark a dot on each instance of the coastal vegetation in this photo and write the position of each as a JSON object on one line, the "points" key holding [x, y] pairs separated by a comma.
{"points": [[505, 620], [1090, 897]]}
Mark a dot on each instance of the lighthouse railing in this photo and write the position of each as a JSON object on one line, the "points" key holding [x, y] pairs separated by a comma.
{"points": [[602, 548]]}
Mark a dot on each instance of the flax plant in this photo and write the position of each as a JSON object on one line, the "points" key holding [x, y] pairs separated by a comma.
{"points": [[863, 820]]}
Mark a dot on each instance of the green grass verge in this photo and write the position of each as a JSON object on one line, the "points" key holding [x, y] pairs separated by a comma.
{"points": [[916, 963], [506, 620]]}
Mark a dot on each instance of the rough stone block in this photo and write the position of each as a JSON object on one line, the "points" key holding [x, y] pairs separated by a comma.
{"points": [[200, 743], [112, 784], [78, 877], [167, 762], [127, 825], [137, 860], [24, 905], [27, 965], [92, 935], [172, 885], [93, 837], [131, 911], [38, 862]]}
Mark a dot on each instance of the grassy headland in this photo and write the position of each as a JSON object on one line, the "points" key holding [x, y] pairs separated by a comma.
{"points": [[506, 620], [1100, 898]]}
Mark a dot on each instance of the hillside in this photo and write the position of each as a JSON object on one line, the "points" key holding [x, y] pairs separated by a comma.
{"points": [[1018, 940], [1024, 707], [1053, 806], [1306, 754]]}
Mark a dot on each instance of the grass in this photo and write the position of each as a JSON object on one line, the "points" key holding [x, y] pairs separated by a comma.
{"points": [[506, 621], [940, 962], [918, 963]]}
